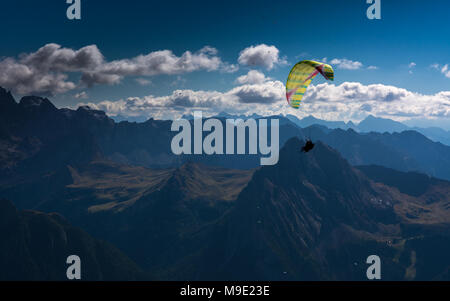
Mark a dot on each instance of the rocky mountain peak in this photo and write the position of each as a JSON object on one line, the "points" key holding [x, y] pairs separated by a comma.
{"points": [[6, 97], [37, 104]]}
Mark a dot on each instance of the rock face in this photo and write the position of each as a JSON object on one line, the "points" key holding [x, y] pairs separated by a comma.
{"points": [[6, 99], [35, 246]]}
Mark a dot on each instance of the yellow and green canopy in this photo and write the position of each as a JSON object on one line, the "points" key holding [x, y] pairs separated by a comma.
{"points": [[300, 77]]}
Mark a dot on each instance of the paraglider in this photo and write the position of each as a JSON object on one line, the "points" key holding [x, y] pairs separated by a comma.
{"points": [[300, 77], [309, 145], [298, 81]]}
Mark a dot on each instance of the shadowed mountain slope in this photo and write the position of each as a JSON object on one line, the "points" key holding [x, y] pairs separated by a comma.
{"points": [[313, 216], [35, 246]]}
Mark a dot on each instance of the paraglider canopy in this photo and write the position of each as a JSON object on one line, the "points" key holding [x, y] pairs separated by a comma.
{"points": [[300, 77]]}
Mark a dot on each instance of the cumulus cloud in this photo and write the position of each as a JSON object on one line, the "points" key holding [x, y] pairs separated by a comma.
{"points": [[263, 93], [229, 68], [240, 99], [23, 79], [46, 70], [81, 95], [252, 77], [346, 64], [91, 78], [156, 63], [53, 57], [444, 69], [260, 56], [352, 100], [347, 101]]}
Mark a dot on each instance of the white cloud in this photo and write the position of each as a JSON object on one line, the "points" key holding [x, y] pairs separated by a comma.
{"points": [[346, 64], [81, 95], [46, 70], [156, 63], [229, 68], [53, 57], [241, 99], [91, 78], [252, 77], [347, 101], [444, 69], [261, 56], [164, 62], [23, 79], [262, 93], [355, 100]]}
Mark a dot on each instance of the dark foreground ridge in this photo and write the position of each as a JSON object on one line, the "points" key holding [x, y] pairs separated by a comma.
{"points": [[35, 246]]}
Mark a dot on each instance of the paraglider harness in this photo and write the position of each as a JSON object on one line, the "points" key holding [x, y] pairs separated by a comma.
{"points": [[309, 145]]}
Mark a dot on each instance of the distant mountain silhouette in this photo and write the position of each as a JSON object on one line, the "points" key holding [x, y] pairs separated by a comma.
{"points": [[380, 125], [411, 183], [311, 120], [406, 151], [435, 134], [35, 246], [120, 118], [375, 124]]}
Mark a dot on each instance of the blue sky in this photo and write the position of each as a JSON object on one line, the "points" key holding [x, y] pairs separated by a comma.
{"points": [[409, 47]]}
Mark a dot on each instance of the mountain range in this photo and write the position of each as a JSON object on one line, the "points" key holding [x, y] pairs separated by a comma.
{"points": [[312, 216], [367, 125], [375, 124], [35, 127]]}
